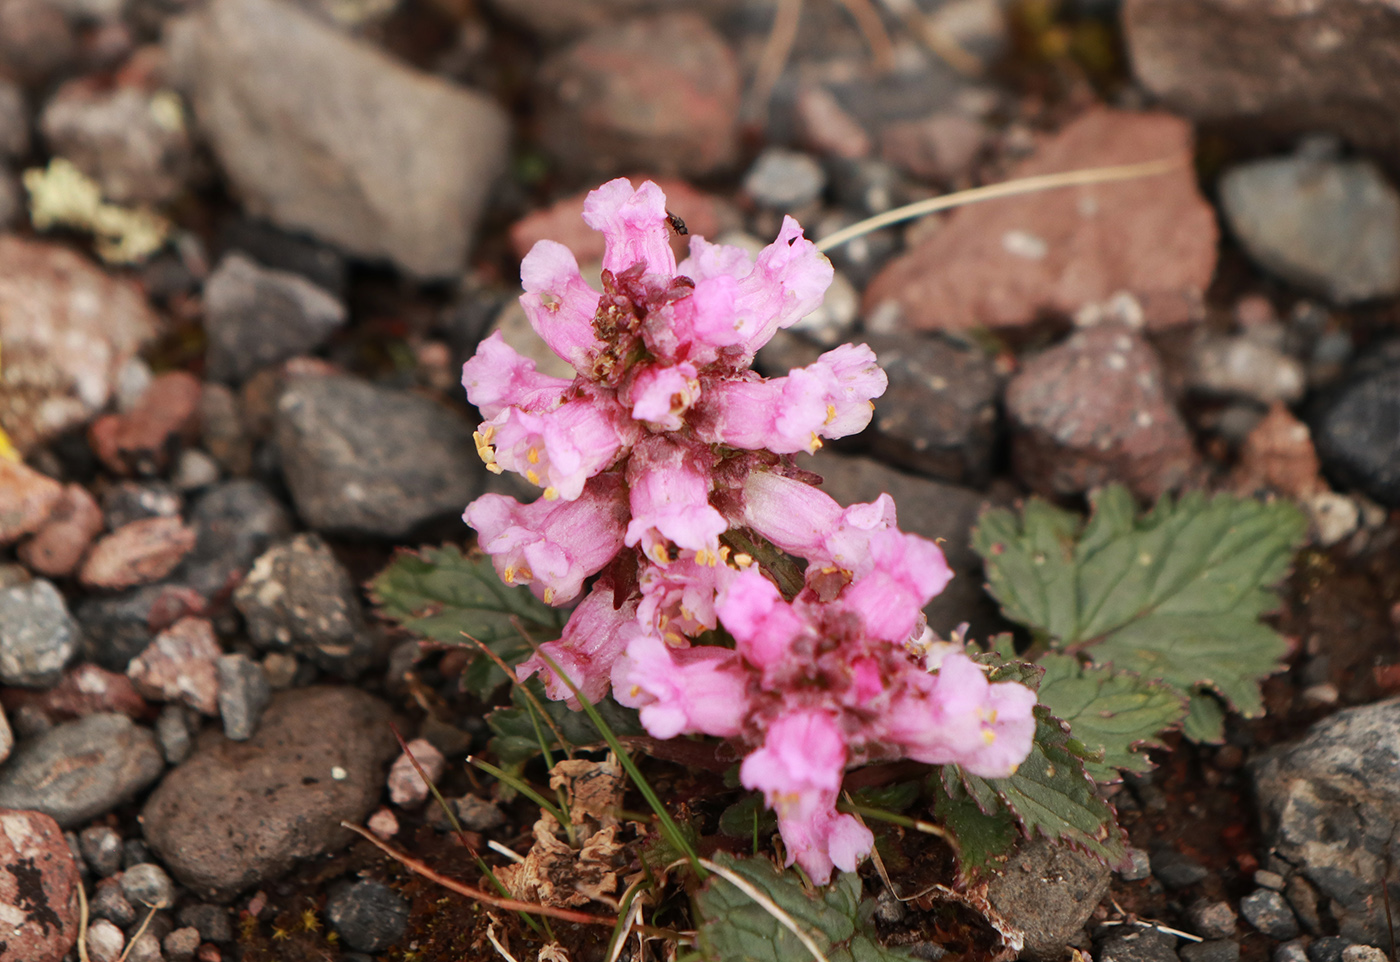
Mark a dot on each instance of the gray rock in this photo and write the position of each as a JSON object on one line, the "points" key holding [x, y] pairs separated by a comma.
{"points": [[1138, 945], [1267, 911], [101, 846], [1357, 434], [235, 521], [370, 154], [1293, 951], [1269, 880], [81, 769], [1246, 367], [1138, 868], [255, 317], [785, 179], [364, 460], [110, 903], [181, 944], [129, 501], [14, 121], [194, 470], [1218, 950], [243, 694], [237, 813], [1175, 870], [1329, 948], [147, 885], [298, 597], [144, 948], [38, 637], [939, 414], [1363, 953], [173, 733], [369, 915], [211, 921], [1048, 892], [477, 814], [116, 628], [1326, 225], [1329, 803], [1212, 920]]}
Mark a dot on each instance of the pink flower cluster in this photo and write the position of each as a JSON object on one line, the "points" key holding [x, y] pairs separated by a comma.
{"points": [[665, 446]]}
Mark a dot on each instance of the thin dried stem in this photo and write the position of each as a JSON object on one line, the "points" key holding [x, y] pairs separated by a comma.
{"points": [[1010, 188], [867, 18], [515, 683], [140, 931], [509, 905], [82, 923], [774, 57], [935, 38]]}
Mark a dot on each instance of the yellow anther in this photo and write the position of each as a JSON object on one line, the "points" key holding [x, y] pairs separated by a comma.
{"points": [[830, 413], [533, 475], [494, 468], [509, 576], [988, 735], [636, 690], [658, 551], [534, 456], [551, 493], [816, 444], [743, 560], [675, 640], [484, 450], [549, 596], [724, 552], [525, 574]]}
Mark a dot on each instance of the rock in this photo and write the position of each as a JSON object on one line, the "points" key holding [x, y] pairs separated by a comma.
{"points": [[1004, 265], [653, 93], [12, 200], [369, 915], [364, 460], [249, 66], [1293, 951], [108, 902], [64, 538], [1175, 870], [87, 690], [558, 19], [211, 921], [1327, 803], [939, 414], [298, 597], [118, 628], [236, 521], [1211, 920], [1138, 945], [237, 813], [1269, 880], [1363, 953], [137, 553], [68, 328], [1329, 948], [147, 885], [1093, 410], [130, 140], [297, 254], [1048, 891], [39, 883], [383, 823], [826, 127], [141, 440], [1139, 866], [105, 941], [1246, 367], [1266, 910], [243, 694], [38, 636], [14, 121], [406, 787], [27, 500], [35, 40], [179, 666], [940, 147], [81, 769], [784, 180], [1220, 950], [1278, 455], [194, 470], [101, 846], [1355, 434], [128, 501], [181, 944], [145, 948], [477, 814], [173, 732], [1329, 226], [255, 317], [1199, 57], [932, 509], [222, 431], [1333, 516]]}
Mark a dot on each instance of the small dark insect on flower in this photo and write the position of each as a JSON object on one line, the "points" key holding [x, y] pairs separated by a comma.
{"points": [[676, 223]]}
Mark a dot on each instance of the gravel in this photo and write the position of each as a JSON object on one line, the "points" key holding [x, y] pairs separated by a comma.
{"points": [[369, 915], [1267, 911]]}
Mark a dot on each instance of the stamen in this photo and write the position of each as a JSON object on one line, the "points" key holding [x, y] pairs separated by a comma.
{"points": [[549, 596], [534, 455], [551, 493], [816, 444], [830, 413], [509, 576]]}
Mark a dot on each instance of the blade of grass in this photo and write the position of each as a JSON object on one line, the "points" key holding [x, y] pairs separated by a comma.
{"points": [[524, 689], [625, 918], [523, 787]]}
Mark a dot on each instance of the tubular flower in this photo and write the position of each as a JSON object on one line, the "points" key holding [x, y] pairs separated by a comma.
{"points": [[667, 470]]}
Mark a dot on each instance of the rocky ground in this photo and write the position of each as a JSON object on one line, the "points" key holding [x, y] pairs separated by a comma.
{"points": [[217, 445]]}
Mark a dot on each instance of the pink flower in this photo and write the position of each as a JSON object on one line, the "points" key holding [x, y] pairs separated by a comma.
{"points": [[826, 841], [592, 641], [558, 450], [678, 598], [634, 224], [670, 489], [660, 396], [679, 691], [763, 625], [904, 574], [958, 717], [551, 545], [560, 304], [792, 514], [498, 377]]}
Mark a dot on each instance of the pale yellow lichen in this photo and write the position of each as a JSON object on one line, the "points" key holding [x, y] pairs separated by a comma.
{"points": [[63, 196]]}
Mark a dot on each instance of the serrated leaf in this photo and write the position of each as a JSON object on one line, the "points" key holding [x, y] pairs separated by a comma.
{"points": [[1174, 596], [1112, 713], [982, 837], [1205, 719], [747, 816], [441, 594], [732, 927], [1051, 794], [516, 740]]}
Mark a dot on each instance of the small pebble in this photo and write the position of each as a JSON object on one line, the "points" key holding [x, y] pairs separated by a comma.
{"points": [[135, 852], [211, 921], [1269, 880], [109, 903], [1213, 920], [105, 941], [784, 179], [148, 885], [1293, 951], [369, 915], [383, 823], [1220, 950], [406, 787], [1267, 911], [477, 814], [194, 470], [102, 849], [243, 694], [181, 944], [1363, 953], [173, 733], [1175, 870], [281, 669], [211, 953], [1139, 866], [145, 948]]}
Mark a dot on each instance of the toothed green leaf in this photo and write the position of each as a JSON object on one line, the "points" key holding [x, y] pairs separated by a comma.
{"points": [[516, 739], [982, 838]]}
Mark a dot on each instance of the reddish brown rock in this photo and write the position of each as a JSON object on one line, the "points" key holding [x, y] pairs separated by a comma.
{"points": [[139, 441], [826, 127], [1278, 455], [181, 665], [1288, 67], [562, 221], [406, 787], [86, 690], [137, 553], [1006, 262], [938, 147], [27, 499], [1093, 411], [657, 93], [38, 888], [65, 537], [67, 330]]}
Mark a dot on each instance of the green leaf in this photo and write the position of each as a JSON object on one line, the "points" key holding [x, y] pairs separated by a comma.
{"points": [[732, 927], [1174, 596], [1051, 794], [515, 738], [982, 837], [747, 815], [1112, 713], [1205, 719], [443, 595]]}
